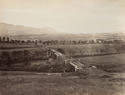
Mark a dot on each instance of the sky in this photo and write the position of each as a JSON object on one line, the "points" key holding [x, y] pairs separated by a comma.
{"points": [[70, 16]]}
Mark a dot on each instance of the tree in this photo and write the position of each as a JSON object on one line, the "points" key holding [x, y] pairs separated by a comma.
{"points": [[4, 39], [36, 42], [11, 41], [0, 39], [22, 41], [61, 50], [40, 41], [8, 39], [6, 59], [27, 58]]}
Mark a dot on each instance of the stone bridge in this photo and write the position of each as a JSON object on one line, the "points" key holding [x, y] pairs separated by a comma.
{"points": [[62, 59]]}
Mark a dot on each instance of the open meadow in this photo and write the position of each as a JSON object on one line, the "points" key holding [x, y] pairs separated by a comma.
{"points": [[47, 84], [109, 63]]}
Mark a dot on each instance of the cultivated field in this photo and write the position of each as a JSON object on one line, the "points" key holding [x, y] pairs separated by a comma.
{"points": [[89, 82], [15, 45]]}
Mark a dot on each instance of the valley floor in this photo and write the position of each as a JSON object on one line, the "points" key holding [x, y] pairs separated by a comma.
{"points": [[96, 82]]}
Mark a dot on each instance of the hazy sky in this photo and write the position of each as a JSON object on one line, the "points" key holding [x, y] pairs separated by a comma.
{"points": [[75, 16]]}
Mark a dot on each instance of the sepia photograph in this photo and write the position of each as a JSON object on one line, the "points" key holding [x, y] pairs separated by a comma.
{"points": [[62, 47]]}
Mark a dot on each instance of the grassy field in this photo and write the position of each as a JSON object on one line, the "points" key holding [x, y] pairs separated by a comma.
{"points": [[47, 84], [109, 63], [91, 82]]}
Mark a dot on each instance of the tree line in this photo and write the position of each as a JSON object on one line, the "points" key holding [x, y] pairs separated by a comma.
{"points": [[59, 42]]}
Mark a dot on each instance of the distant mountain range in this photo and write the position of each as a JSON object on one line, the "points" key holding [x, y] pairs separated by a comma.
{"points": [[24, 33], [9, 29]]}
